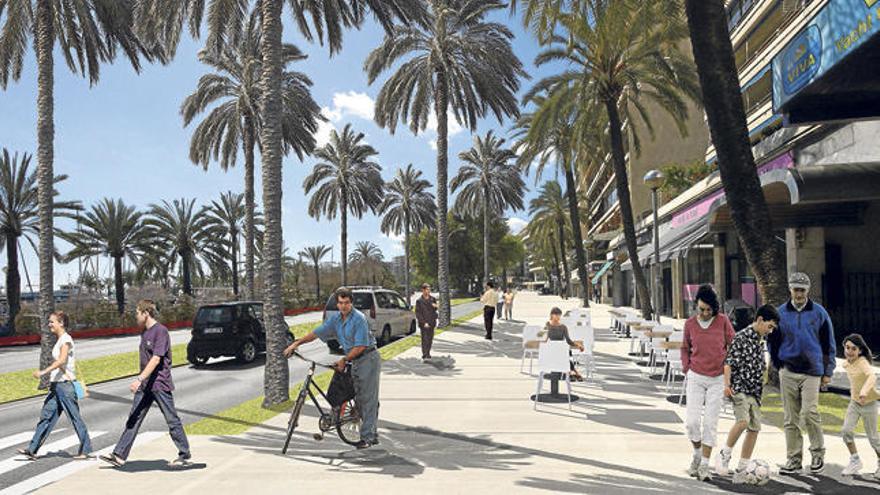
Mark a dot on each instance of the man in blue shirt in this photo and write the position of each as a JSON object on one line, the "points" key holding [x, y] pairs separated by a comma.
{"points": [[803, 350], [351, 329]]}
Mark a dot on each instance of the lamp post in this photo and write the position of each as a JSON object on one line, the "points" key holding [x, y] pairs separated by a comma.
{"points": [[654, 179]]}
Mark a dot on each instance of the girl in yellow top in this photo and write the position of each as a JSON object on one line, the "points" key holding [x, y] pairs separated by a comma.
{"points": [[863, 401]]}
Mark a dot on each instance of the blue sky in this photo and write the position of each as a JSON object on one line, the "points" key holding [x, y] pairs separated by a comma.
{"points": [[124, 138]]}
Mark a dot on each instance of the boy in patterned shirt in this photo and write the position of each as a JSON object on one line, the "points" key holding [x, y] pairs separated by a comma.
{"points": [[744, 383]]}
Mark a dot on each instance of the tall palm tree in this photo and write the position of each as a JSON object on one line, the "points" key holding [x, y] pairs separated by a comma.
{"points": [[620, 57], [88, 33], [315, 254], [114, 229], [408, 207], [367, 254], [344, 180], [549, 213], [184, 229], [19, 217], [722, 97], [227, 219], [451, 57], [490, 183], [234, 92]]}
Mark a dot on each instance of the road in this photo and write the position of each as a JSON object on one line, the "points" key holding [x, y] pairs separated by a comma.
{"points": [[200, 392], [17, 358]]}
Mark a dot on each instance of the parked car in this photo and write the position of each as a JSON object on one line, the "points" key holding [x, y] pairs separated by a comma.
{"points": [[227, 329], [386, 311]]}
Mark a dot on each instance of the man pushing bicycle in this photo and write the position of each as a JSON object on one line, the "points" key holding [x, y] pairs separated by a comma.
{"points": [[351, 329]]}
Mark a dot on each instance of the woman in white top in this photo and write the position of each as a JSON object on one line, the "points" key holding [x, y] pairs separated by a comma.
{"points": [[62, 396]]}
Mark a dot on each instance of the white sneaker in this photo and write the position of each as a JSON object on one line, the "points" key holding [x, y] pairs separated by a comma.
{"points": [[722, 462], [853, 468], [695, 465], [703, 473]]}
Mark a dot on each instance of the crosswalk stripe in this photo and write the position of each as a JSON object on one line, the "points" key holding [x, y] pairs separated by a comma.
{"points": [[36, 482], [66, 442], [11, 440]]}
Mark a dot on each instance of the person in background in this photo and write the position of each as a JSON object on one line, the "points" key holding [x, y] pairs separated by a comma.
{"points": [[426, 317], [499, 306], [508, 304], [61, 396], [490, 301], [862, 403], [707, 336]]}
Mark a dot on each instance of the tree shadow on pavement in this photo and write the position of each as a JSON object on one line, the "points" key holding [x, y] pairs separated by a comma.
{"points": [[440, 366], [142, 466]]}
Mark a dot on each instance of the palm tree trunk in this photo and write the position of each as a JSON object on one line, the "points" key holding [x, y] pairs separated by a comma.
{"points": [[343, 206], [235, 264], [277, 375], [564, 280], [406, 280], [13, 280], [485, 235], [120, 284], [626, 214], [45, 42], [317, 282], [722, 98], [556, 265], [249, 208], [579, 253], [440, 108], [185, 259]]}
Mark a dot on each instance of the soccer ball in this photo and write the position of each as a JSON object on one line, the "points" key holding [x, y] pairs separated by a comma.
{"points": [[757, 472]]}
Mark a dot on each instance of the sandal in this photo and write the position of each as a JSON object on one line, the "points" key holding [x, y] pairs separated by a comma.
{"points": [[112, 459], [27, 453]]}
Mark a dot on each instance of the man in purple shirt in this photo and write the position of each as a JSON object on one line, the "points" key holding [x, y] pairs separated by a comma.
{"points": [[153, 384]]}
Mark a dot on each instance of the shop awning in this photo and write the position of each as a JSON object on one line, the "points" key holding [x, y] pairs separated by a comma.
{"points": [[674, 242], [829, 183], [605, 267]]}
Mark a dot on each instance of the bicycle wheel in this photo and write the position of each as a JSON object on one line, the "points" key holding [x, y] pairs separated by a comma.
{"points": [[294, 418], [348, 424]]}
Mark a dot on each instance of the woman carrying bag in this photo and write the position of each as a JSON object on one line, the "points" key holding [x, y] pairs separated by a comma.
{"points": [[64, 392]]}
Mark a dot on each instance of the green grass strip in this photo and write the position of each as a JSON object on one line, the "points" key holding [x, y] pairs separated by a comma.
{"points": [[238, 419], [461, 300], [832, 408]]}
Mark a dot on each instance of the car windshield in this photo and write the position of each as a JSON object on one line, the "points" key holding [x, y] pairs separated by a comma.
{"points": [[362, 301], [213, 316]]}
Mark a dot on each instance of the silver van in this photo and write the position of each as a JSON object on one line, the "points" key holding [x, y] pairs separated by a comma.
{"points": [[387, 312]]}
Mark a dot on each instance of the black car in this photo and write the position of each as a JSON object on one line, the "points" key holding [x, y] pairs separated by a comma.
{"points": [[227, 329]]}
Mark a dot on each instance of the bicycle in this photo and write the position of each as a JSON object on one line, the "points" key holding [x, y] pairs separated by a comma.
{"points": [[346, 418]]}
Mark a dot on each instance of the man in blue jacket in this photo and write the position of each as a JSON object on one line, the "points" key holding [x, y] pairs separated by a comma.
{"points": [[803, 351]]}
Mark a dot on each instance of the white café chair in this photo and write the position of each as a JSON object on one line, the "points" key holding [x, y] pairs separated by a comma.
{"points": [[530, 343], [643, 340], [553, 358], [658, 353], [583, 332], [673, 360]]}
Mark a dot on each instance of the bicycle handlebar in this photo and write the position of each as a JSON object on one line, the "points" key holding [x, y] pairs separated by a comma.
{"points": [[328, 366]]}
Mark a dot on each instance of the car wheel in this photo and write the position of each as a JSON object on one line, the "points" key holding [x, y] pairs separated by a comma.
{"points": [[198, 361], [248, 352], [412, 327], [385, 338]]}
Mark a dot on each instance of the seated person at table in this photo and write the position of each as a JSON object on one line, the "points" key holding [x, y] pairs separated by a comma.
{"points": [[557, 331]]}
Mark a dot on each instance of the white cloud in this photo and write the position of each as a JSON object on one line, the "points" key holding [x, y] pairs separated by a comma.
{"points": [[433, 144], [322, 135], [452, 126], [516, 224], [351, 103]]}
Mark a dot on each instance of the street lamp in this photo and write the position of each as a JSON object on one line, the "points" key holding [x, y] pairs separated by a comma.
{"points": [[654, 179]]}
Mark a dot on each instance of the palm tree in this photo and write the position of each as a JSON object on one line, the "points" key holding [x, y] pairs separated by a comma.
{"points": [[345, 180], [19, 217], [722, 98], [227, 219], [315, 254], [490, 183], [549, 212], [234, 91], [408, 207], [458, 60], [114, 229], [367, 254], [621, 57], [88, 33], [185, 231]]}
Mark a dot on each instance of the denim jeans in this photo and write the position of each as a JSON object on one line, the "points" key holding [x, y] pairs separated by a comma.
{"points": [[61, 397], [365, 372], [139, 408]]}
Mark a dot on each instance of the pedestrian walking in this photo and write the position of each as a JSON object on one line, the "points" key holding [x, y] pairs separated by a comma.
{"points": [[351, 329], [62, 394], [426, 317], [707, 336], [744, 384], [803, 350], [490, 301], [499, 305], [862, 403], [508, 304], [152, 384]]}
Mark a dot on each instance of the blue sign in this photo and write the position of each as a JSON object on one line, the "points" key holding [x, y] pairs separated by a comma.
{"points": [[837, 30]]}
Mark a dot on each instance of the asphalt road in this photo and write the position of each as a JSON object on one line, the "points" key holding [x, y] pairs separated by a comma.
{"points": [[200, 392]]}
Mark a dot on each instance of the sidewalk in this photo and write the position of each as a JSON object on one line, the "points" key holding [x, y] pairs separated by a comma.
{"points": [[466, 425]]}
